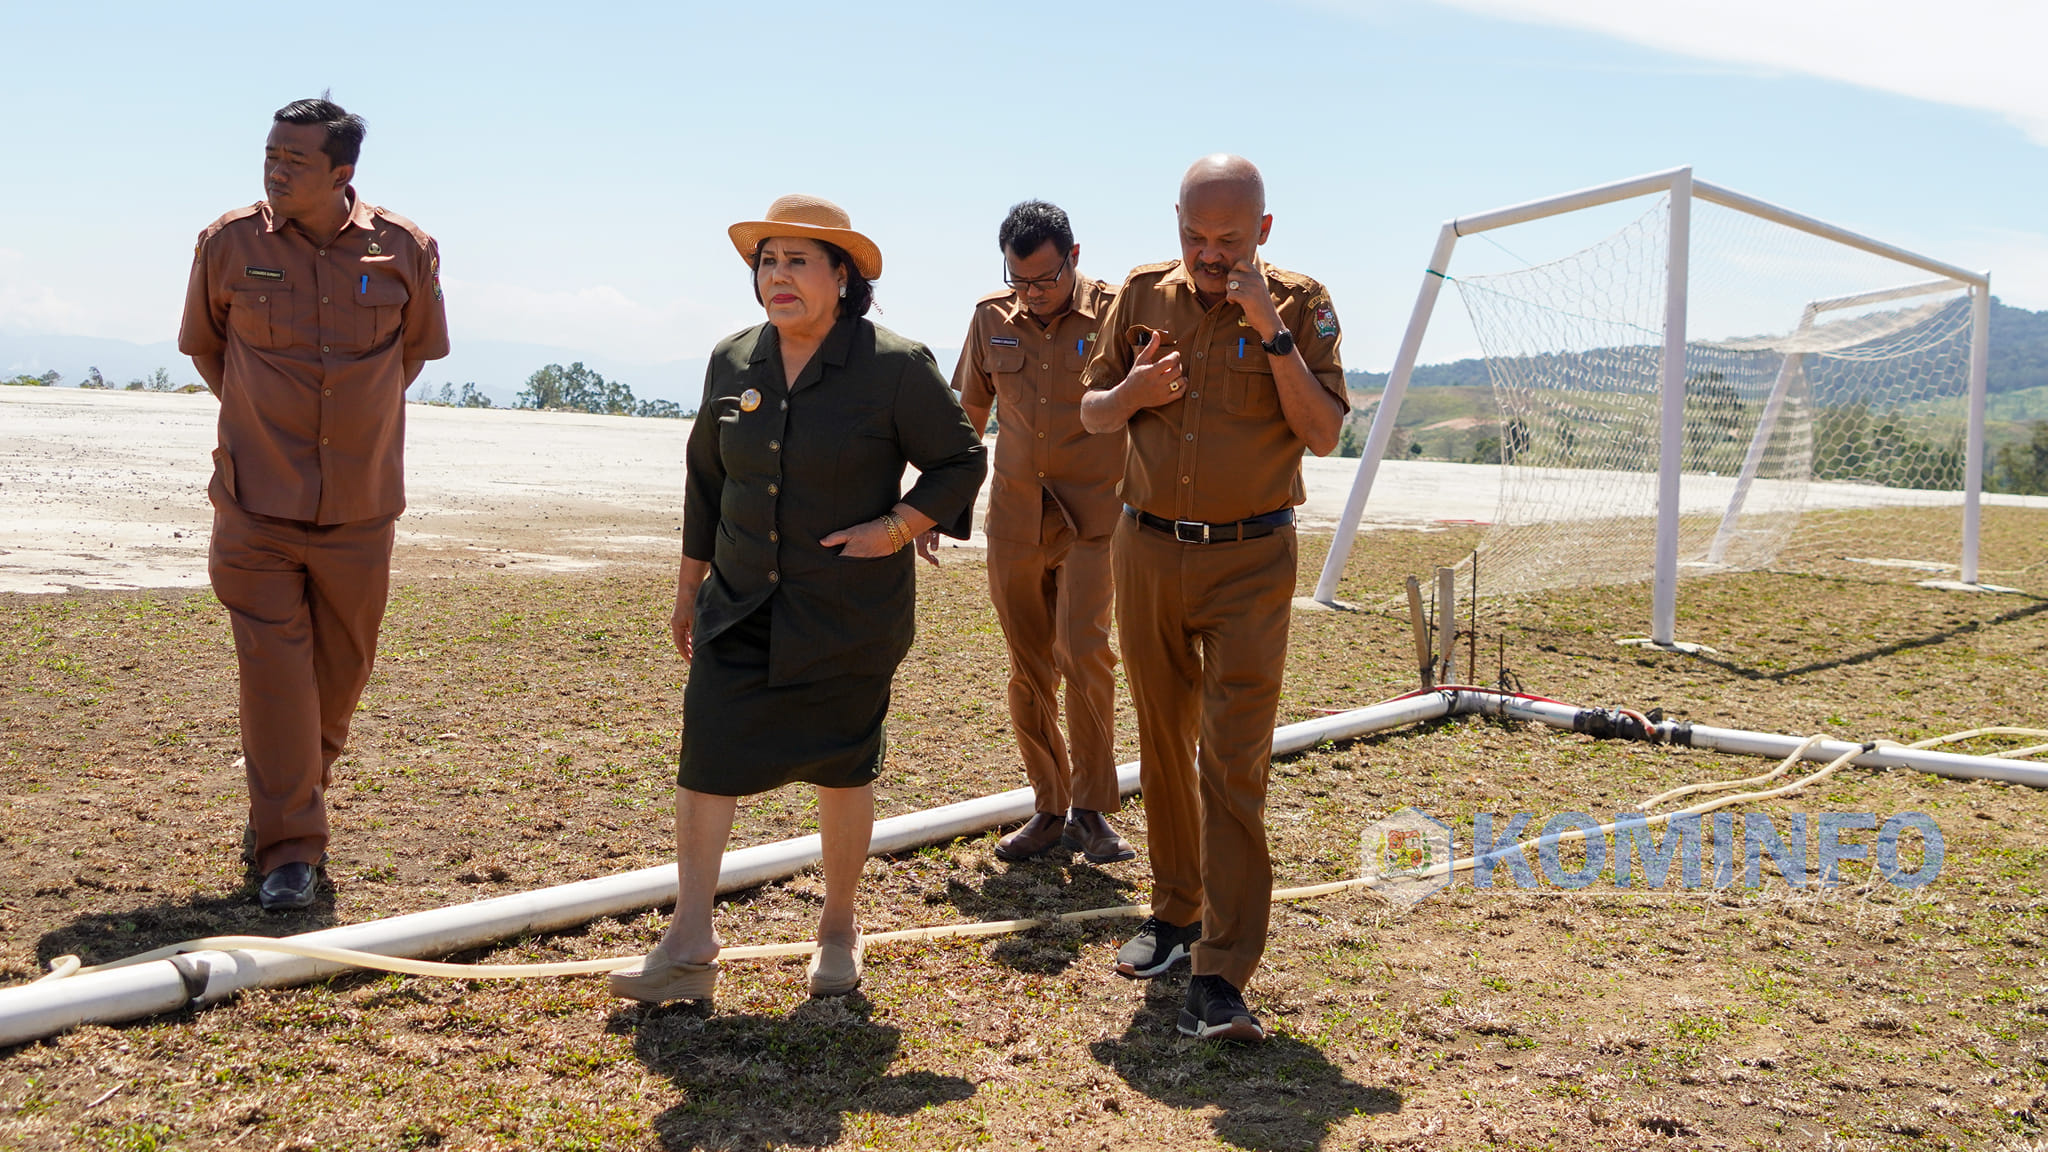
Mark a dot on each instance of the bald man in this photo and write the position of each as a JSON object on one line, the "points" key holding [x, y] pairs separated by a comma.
{"points": [[1221, 369]]}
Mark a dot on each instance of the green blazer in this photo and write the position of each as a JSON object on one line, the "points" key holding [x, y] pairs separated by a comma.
{"points": [[763, 486]]}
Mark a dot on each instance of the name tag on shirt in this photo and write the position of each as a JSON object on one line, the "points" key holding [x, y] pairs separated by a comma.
{"points": [[1005, 341], [264, 273]]}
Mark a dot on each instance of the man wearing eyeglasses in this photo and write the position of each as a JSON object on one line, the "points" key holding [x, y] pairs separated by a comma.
{"points": [[1052, 506]]}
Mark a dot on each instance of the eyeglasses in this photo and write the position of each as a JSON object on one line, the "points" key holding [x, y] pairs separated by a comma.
{"points": [[1046, 282]]}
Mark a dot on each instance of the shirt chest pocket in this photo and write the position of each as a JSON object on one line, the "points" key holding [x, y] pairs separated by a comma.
{"points": [[262, 315], [379, 305], [744, 438], [1250, 390], [1007, 365]]}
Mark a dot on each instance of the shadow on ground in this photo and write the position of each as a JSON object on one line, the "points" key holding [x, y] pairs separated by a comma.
{"points": [[100, 937], [1882, 651], [1282, 1094], [759, 1082], [1046, 886]]}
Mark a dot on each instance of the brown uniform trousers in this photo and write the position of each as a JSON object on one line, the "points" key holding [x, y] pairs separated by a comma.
{"points": [[1052, 506], [1053, 599], [305, 601], [1203, 626], [314, 334]]}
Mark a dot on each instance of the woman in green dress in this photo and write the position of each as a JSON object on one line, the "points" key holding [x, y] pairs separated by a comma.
{"points": [[795, 597]]}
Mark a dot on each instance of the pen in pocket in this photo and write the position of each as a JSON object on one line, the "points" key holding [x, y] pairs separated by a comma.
{"points": [[363, 286], [1240, 347], [1080, 347]]}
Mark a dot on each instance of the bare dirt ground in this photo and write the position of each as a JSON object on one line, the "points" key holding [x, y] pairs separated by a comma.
{"points": [[520, 732], [521, 728]]}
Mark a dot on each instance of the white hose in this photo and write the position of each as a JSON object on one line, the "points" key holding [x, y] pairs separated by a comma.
{"points": [[65, 966]]}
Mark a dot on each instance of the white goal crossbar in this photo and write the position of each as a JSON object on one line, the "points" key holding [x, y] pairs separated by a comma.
{"points": [[1683, 189]]}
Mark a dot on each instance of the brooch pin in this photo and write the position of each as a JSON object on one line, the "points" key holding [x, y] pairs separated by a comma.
{"points": [[749, 400]]}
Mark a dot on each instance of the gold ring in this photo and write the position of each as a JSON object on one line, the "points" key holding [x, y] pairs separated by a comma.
{"points": [[1173, 387]]}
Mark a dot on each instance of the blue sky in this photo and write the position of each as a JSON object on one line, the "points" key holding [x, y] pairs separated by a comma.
{"points": [[580, 167]]}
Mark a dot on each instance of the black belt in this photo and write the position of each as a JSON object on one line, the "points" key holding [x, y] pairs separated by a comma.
{"points": [[1202, 532]]}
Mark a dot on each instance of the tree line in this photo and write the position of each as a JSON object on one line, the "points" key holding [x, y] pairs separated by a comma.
{"points": [[558, 389], [157, 381]]}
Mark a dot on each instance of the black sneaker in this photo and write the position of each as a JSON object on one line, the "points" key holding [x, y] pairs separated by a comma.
{"points": [[1157, 947], [1215, 1011]]}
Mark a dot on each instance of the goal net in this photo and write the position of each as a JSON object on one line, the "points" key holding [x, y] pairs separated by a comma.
{"points": [[1825, 407]]}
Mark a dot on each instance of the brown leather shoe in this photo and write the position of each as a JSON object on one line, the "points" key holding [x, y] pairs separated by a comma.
{"points": [[1090, 835], [1039, 834]]}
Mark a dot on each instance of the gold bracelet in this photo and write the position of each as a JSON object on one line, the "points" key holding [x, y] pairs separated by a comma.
{"points": [[897, 529]]}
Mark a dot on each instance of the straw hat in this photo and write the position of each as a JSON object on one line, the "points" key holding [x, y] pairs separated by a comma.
{"points": [[812, 218]]}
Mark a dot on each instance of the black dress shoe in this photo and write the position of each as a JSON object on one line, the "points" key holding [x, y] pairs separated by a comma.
{"points": [[1090, 835], [287, 886], [1039, 834]]}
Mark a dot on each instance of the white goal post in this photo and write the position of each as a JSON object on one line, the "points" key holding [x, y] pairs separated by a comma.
{"points": [[1671, 381]]}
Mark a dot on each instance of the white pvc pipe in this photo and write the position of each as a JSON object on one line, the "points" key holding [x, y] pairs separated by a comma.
{"points": [[32, 1011], [1736, 741], [1973, 451], [1728, 198], [1882, 295], [1568, 202], [1647, 184], [1787, 372], [1383, 419], [1671, 387], [1752, 461]]}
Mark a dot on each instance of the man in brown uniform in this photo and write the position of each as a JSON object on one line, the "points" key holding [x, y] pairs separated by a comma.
{"points": [[308, 314], [1051, 509], [1222, 369]]}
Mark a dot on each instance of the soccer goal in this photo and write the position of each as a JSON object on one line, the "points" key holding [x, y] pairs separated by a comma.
{"points": [[1721, 385]]}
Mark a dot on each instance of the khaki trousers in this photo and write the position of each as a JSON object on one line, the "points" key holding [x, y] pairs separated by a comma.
{"points": [[305, 601], [1203, 628], [1053, 600]]}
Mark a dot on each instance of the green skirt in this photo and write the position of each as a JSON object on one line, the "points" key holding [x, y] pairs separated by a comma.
{"points": [[743, 735]]}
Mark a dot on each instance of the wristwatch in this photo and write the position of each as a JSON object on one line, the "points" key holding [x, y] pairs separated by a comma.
{"points": [[1281, 344]]}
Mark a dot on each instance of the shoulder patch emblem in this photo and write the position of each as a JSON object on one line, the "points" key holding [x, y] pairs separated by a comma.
{"points": [[1326, 320], [263, 273], [1005, 341]]}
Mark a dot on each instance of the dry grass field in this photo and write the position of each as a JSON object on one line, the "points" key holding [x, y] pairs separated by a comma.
{"points": [[520, 731]]}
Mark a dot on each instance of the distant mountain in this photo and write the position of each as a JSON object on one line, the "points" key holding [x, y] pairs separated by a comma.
{"points": [[2019, 349], [498, 368], [1457, 374], [2019, 359], [119, 361]]}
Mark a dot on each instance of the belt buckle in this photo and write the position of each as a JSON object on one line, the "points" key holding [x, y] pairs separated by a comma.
{"points": [[1191, 531]]}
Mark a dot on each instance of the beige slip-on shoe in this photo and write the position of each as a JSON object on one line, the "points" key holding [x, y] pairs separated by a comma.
{"points": [[835, 967], [658, 980]]}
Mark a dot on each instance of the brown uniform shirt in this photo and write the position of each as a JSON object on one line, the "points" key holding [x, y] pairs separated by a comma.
{"points": [[312, 408], [1224, 452], [1031, 370]]}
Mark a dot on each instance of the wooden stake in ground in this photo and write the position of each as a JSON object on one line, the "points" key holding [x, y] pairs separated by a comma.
{"points": [[1447, 621], [1424, 662], [1472, 638]]}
